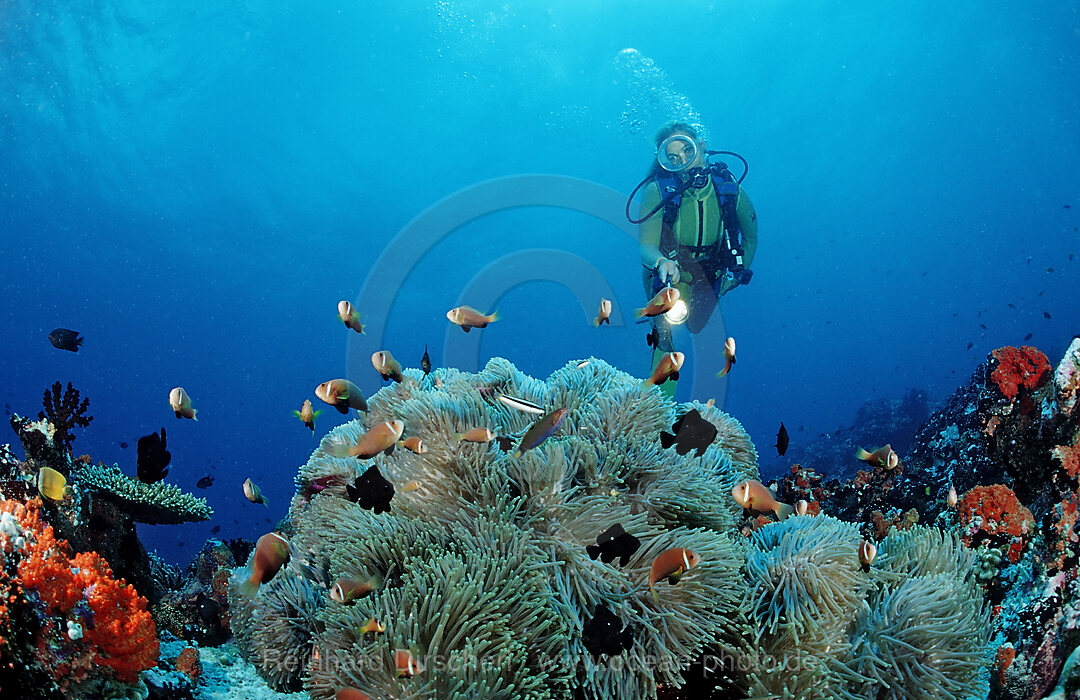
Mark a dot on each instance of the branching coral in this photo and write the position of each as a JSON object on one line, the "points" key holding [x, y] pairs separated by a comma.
{"points": [[155, 504], [65, 412]]}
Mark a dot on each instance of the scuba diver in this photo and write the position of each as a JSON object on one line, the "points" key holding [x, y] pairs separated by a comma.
{"points": [[698, 232]]}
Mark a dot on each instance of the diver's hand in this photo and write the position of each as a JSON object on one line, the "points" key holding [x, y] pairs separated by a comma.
{"points": [[743, 275], [668, 271]]}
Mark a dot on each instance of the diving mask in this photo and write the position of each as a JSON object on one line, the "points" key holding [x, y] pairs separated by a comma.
{"points": [[676, 153]]}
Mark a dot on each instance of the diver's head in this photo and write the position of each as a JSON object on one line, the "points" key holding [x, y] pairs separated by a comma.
{"points": [[679, 149]]}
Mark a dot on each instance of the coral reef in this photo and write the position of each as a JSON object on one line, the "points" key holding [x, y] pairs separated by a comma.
{"points": [[81, 630], [876, 422], [195, 606], [1007, 442]]}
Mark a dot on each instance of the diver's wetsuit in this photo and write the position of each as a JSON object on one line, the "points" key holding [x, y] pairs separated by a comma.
{"points": [[699, 233]]}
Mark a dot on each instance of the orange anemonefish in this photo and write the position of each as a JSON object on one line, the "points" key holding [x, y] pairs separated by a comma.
{"points": [[729, 357], [373, 626], [381, 438], [349, 316], [346, 590], [476, 435], [271, 553], [667, 368], [306, 415], [406, 664], [801, 507], [468, 318], [604, 314], [754, 496], [867, 552], [342, 395], [881, 457], [413, 485], [386, 366], [414, 444], [671, 564], [952, 498], [350, 694], [659, 304], [181, 404], [253, 493]]}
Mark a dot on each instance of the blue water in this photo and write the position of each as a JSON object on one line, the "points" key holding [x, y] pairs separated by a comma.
{"points": [[194, 189]]}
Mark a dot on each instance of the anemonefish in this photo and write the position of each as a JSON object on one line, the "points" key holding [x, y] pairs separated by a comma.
{"points": [[342, 395], [414, 444], [881, 457], [271, 553], [372, 626], [381, 438], [406, 664], [51, 484], [346, 590], [541, 430], [667, 368], [476, 435], [349, 316], [306, 415], [413, 485], [671, 564], [754, 496], [181, 403], [350, 694], [252, 492], [801, 507], [867, 552], [387, 366], [729, 357], [604, 314], [659, 304], [468, 318], [952, 498]]}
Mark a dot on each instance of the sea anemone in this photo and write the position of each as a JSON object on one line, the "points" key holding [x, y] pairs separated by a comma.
{"points": [[925, 638], [483, 558], [275, 630]]}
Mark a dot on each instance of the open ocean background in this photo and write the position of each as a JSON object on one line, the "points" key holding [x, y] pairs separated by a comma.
{"points": [[194, 186]]}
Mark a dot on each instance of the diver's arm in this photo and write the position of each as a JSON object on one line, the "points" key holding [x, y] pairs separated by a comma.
{"points": [[649, 230], [744, 211]]}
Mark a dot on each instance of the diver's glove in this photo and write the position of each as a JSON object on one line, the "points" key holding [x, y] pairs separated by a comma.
{"points": [[668, 271], [742, 275]]}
